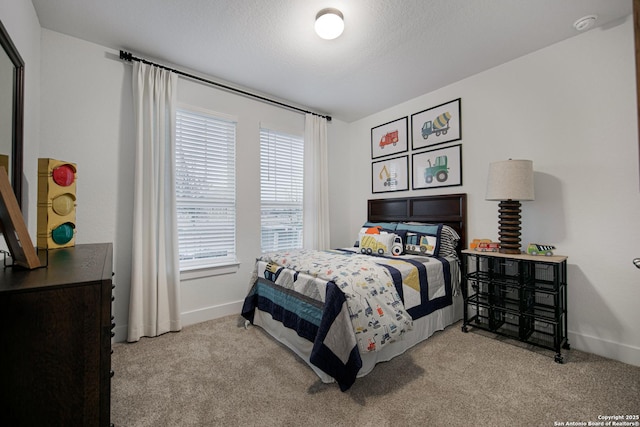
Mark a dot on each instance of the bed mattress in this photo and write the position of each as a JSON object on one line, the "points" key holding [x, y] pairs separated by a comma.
{"points": [[423, 328]]}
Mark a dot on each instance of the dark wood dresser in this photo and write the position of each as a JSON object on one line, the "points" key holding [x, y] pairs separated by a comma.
{"points": [[55, 340]]}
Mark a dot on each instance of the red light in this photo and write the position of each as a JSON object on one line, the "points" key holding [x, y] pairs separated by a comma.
{"points": [[63, 175]]}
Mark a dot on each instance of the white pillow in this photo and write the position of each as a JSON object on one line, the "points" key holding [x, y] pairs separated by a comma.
{"points": [[383, 244]]}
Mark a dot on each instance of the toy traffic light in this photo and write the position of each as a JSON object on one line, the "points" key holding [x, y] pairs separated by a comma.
{"points": [[56, 203]]}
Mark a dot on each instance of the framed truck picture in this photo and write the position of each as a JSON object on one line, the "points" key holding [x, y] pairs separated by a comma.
{"points": [[390, 138], [437, 168], [390, 175], [436, 125]]}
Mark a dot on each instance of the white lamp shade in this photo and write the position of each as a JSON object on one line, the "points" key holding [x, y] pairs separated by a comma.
{"points": [[329, 23], [510, 180]]}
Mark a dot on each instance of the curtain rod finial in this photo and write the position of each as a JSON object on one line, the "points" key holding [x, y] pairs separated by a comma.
{"points": [[127, 56]]}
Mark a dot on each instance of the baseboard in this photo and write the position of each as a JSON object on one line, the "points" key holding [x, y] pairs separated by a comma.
{"points": [[121, 332], [609, 349], [590, 344], [191, 317], [210, 313]]}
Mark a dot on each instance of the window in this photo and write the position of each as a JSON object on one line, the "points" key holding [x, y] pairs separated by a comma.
{"points": [[281, 190], [205, 189]]}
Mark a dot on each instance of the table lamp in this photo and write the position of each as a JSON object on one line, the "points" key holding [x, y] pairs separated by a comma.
{"points": [[510, 181]]}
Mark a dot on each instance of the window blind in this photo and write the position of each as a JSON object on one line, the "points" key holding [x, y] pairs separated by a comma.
{"points": [[205, 189], [281, 190]]}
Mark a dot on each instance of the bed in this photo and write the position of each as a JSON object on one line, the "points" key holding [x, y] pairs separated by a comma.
{"points": [[345, 310]]}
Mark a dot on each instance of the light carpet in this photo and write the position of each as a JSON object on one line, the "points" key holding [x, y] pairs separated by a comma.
{"points": [[218, 373]]}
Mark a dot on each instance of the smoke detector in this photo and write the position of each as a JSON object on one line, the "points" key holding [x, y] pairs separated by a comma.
{"points": [[585, 22]]}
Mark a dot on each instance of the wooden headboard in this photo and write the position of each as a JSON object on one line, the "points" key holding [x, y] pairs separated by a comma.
{"points": [[449, 209]]}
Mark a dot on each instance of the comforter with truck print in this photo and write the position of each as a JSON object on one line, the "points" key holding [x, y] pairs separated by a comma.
{"points": [[347, 303]]}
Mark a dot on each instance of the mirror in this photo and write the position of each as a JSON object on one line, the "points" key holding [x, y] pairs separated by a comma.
{"points": [[11, 111], [636, 32]]}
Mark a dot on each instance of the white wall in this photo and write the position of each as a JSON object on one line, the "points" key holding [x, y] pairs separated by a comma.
{"points": [[87, 118], [570, 108]]}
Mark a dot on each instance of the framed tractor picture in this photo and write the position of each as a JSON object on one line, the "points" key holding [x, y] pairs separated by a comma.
{"points": [[436, 125], [437, 168], [390, 138], [390, 175]]}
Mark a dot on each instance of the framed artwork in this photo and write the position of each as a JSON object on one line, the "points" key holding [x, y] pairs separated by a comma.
{"points": [[13, 227], [437, 168], [436, 125], [390, 175], [390, 138]]}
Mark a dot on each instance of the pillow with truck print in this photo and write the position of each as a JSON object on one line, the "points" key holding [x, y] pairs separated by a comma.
{"points": [[421, 239], [383, 244], [447, 241], [387, 226]]}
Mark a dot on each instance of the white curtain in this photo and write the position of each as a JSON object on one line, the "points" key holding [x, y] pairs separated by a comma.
{"points": [[316, 184], [155, 275]]}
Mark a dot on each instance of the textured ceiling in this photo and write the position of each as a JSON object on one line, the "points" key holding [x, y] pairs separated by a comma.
{"points": [[391, 50]]}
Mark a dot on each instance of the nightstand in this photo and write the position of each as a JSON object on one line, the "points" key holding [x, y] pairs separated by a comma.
{"points": [[523, 297]]}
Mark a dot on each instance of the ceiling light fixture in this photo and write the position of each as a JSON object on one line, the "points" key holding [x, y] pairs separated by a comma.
{"points": [[329, 23], [585, 22]]}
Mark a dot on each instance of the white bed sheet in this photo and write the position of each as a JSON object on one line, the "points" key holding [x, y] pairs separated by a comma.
{"points": [[422, 329]]}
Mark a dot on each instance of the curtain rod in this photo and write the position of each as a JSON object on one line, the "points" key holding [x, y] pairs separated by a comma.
{"points": [[127, 56]]}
